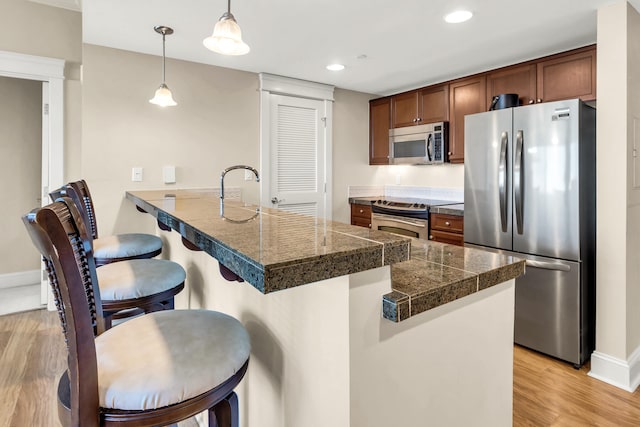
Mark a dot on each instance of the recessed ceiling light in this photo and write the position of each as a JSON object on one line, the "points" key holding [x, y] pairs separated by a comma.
{"points": [[335, 67], [458, 16]]}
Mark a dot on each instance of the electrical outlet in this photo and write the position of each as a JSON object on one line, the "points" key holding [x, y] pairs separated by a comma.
{"points": [[136, 174], [169, 174], [248, 175]]}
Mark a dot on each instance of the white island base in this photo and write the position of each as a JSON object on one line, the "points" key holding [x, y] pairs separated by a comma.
{"points": [[323, 355]]}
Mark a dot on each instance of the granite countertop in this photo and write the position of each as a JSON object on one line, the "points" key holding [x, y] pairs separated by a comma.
{"points": [[452, 209], [364, 200], [457, 209], [439, 273], [276, 249]]}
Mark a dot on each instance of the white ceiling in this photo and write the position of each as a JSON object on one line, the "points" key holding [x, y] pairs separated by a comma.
{"points": [[406, 42]]}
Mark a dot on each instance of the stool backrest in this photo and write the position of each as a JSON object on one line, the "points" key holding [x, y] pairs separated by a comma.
{"points": [[69, 262], [79, 193]]}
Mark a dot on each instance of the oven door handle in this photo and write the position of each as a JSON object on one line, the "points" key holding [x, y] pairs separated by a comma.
{"points": [[399, 221]]}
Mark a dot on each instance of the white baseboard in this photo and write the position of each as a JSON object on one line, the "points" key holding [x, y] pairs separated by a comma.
{"points": [[22, 278], [620, 373]]}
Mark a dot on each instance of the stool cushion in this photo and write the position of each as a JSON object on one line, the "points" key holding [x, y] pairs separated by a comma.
{"points": [[125, 245], [167, 357], [138, 278]]}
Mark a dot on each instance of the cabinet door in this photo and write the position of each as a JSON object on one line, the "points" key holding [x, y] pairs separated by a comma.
{"points": [[433, 104], [520, 79], [446, 237], [466, 96], [379, 118], [404, 109], [361, 215], [450, 223], [568, 76]]}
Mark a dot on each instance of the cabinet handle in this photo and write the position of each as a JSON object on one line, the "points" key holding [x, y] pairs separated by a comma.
{"points": [[361, 211], [449, 153], [414, 120], [430, 236], [531, 101], [539, 100], [419, 119], [447, 223], [369, 225]]}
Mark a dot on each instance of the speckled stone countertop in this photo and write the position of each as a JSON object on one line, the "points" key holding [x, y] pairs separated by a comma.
{"points": [[439, 273], [275, 250], [364, 200], [457, 210], [453, 209]]}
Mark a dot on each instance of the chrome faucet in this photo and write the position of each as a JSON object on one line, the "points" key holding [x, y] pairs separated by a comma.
{"points": [[230, 168]]}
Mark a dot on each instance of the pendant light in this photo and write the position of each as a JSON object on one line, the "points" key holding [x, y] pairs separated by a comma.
{"points": [[163, 96], [227, 36]]}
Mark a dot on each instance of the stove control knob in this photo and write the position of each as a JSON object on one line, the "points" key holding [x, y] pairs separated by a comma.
{"points": [[379, 202], [422, 206], [384, 202]]}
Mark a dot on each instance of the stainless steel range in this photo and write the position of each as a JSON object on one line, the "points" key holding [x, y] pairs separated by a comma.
{"points": [[404, 216]]}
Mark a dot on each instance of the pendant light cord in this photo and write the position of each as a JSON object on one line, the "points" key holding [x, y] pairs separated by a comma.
{"points": [[229, 6], [163, 56]]}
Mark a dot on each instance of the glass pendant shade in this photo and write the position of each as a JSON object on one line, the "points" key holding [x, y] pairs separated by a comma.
{"points": [[227, 37], [163, 97]]}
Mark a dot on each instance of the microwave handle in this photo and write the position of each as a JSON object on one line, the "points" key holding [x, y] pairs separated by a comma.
{"points": [[429, 147]]}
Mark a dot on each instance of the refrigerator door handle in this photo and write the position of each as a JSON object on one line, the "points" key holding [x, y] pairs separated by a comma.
{"points": [[548, 265], [518, 177], [502, 180]]}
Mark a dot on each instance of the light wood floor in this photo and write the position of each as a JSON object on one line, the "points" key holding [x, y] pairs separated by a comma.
{"points": [[547, 392]]}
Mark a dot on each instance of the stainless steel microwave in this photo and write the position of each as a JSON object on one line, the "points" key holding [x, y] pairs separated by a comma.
{"points": [[418, 145]]}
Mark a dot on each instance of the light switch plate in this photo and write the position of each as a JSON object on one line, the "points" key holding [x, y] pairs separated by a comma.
{"points": [[169, 174], [136, 174]]}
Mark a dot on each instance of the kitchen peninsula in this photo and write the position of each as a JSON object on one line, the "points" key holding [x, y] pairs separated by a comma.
{"points": [[322, 352]]}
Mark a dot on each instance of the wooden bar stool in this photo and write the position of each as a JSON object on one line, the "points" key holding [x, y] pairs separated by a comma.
{"points": [[114, 248], [131, 287], [156, 369]]}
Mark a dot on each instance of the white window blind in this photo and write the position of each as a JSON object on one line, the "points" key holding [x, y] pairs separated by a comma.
{"points": [[296, 149]]}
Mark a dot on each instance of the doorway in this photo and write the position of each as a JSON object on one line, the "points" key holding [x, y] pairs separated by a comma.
{"points": [[296, 119], [47, 74], [20, 168]]}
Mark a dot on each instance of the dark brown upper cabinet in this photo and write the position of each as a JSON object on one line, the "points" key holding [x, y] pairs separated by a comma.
{"points": [[427, 105], [520, 79], [567, 76], [379, 120], [466, 96]]}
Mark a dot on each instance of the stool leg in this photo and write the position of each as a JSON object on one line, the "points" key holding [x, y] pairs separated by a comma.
{"points": [[225, 412]]}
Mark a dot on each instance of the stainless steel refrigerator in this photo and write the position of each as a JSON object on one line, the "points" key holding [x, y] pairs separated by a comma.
{"points": [[529, 189]]}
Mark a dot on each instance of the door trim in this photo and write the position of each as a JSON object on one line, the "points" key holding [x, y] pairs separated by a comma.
{"points": [[277, 85], [51, 71]]}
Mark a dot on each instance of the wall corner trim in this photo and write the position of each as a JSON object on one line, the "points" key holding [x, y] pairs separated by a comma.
{"points": [[624, 374]]}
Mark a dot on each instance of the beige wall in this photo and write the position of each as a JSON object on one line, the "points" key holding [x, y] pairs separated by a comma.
{"points": [[618, 201], [34, 29], [214, 125], [40, 30], [633, 142], [20, 164]]}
